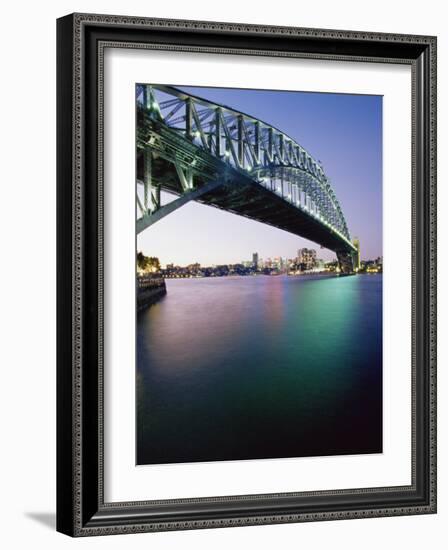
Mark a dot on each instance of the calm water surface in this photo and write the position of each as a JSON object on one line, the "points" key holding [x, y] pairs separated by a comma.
{"points": [[260, 367]]}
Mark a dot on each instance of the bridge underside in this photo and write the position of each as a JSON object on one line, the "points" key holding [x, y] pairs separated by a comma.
{"points": [[226, 188], [240, 195]]}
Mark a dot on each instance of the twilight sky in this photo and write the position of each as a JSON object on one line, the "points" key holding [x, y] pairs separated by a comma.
{"points": [[343, 131]]}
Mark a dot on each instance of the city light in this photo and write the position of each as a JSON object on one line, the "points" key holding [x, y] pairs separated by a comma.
{"points": [[306, 262]]}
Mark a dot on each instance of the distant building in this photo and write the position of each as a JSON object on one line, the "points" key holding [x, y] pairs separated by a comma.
{"points": [[331, 266], [194, 269], [357, 255], [255, 260], [278, 263], [320, 264], [307, 258]]}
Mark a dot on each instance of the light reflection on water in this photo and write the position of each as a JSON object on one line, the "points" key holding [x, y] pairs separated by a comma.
{"points": [[255, 367]]}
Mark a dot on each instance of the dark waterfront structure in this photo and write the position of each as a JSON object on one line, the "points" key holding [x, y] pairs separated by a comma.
{"points": [[213, 154], [150, 288]]}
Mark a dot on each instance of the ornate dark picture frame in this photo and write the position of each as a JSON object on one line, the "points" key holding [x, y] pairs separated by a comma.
{"points": [[81, 40]]}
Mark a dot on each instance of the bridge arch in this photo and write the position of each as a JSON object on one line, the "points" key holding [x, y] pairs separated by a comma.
{"points": [[199, 150]]}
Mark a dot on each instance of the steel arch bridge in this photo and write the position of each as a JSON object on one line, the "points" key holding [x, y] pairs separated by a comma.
{"points": [[215, 155]]}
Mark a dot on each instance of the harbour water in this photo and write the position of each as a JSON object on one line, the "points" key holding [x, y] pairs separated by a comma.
{"points": [[235, 368]]}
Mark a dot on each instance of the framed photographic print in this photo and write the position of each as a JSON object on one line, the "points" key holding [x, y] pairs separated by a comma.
{"points": [[246, 274]]}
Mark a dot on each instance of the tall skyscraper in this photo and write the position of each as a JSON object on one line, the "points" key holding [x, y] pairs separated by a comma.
{"points": [[255, 259]]}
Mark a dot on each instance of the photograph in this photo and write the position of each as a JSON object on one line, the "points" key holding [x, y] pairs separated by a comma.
{"points": [[259, 274], [246, 222]]}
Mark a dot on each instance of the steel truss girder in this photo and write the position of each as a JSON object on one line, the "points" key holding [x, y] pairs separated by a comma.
{"points": [[251, 146], [148, 220]]}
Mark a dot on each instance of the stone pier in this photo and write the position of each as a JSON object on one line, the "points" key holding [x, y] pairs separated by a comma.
{"points": [[150, 289]]}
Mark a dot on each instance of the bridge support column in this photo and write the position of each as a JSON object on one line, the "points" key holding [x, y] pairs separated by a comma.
{"points": [[257, 142], [150, 218], [345, 260], [218, 132], [151, 197], [188, 119], [185, 177], [240, 141]]}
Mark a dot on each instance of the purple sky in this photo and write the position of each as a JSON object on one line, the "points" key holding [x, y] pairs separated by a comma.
{"points": [[343, 131]]}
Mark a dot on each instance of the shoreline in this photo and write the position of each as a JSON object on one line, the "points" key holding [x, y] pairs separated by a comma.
{"points": [[291, 275]]}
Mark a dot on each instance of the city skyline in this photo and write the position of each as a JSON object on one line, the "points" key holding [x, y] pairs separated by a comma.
{"points": [[306, 261], [342, 131], [256, 258]]}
